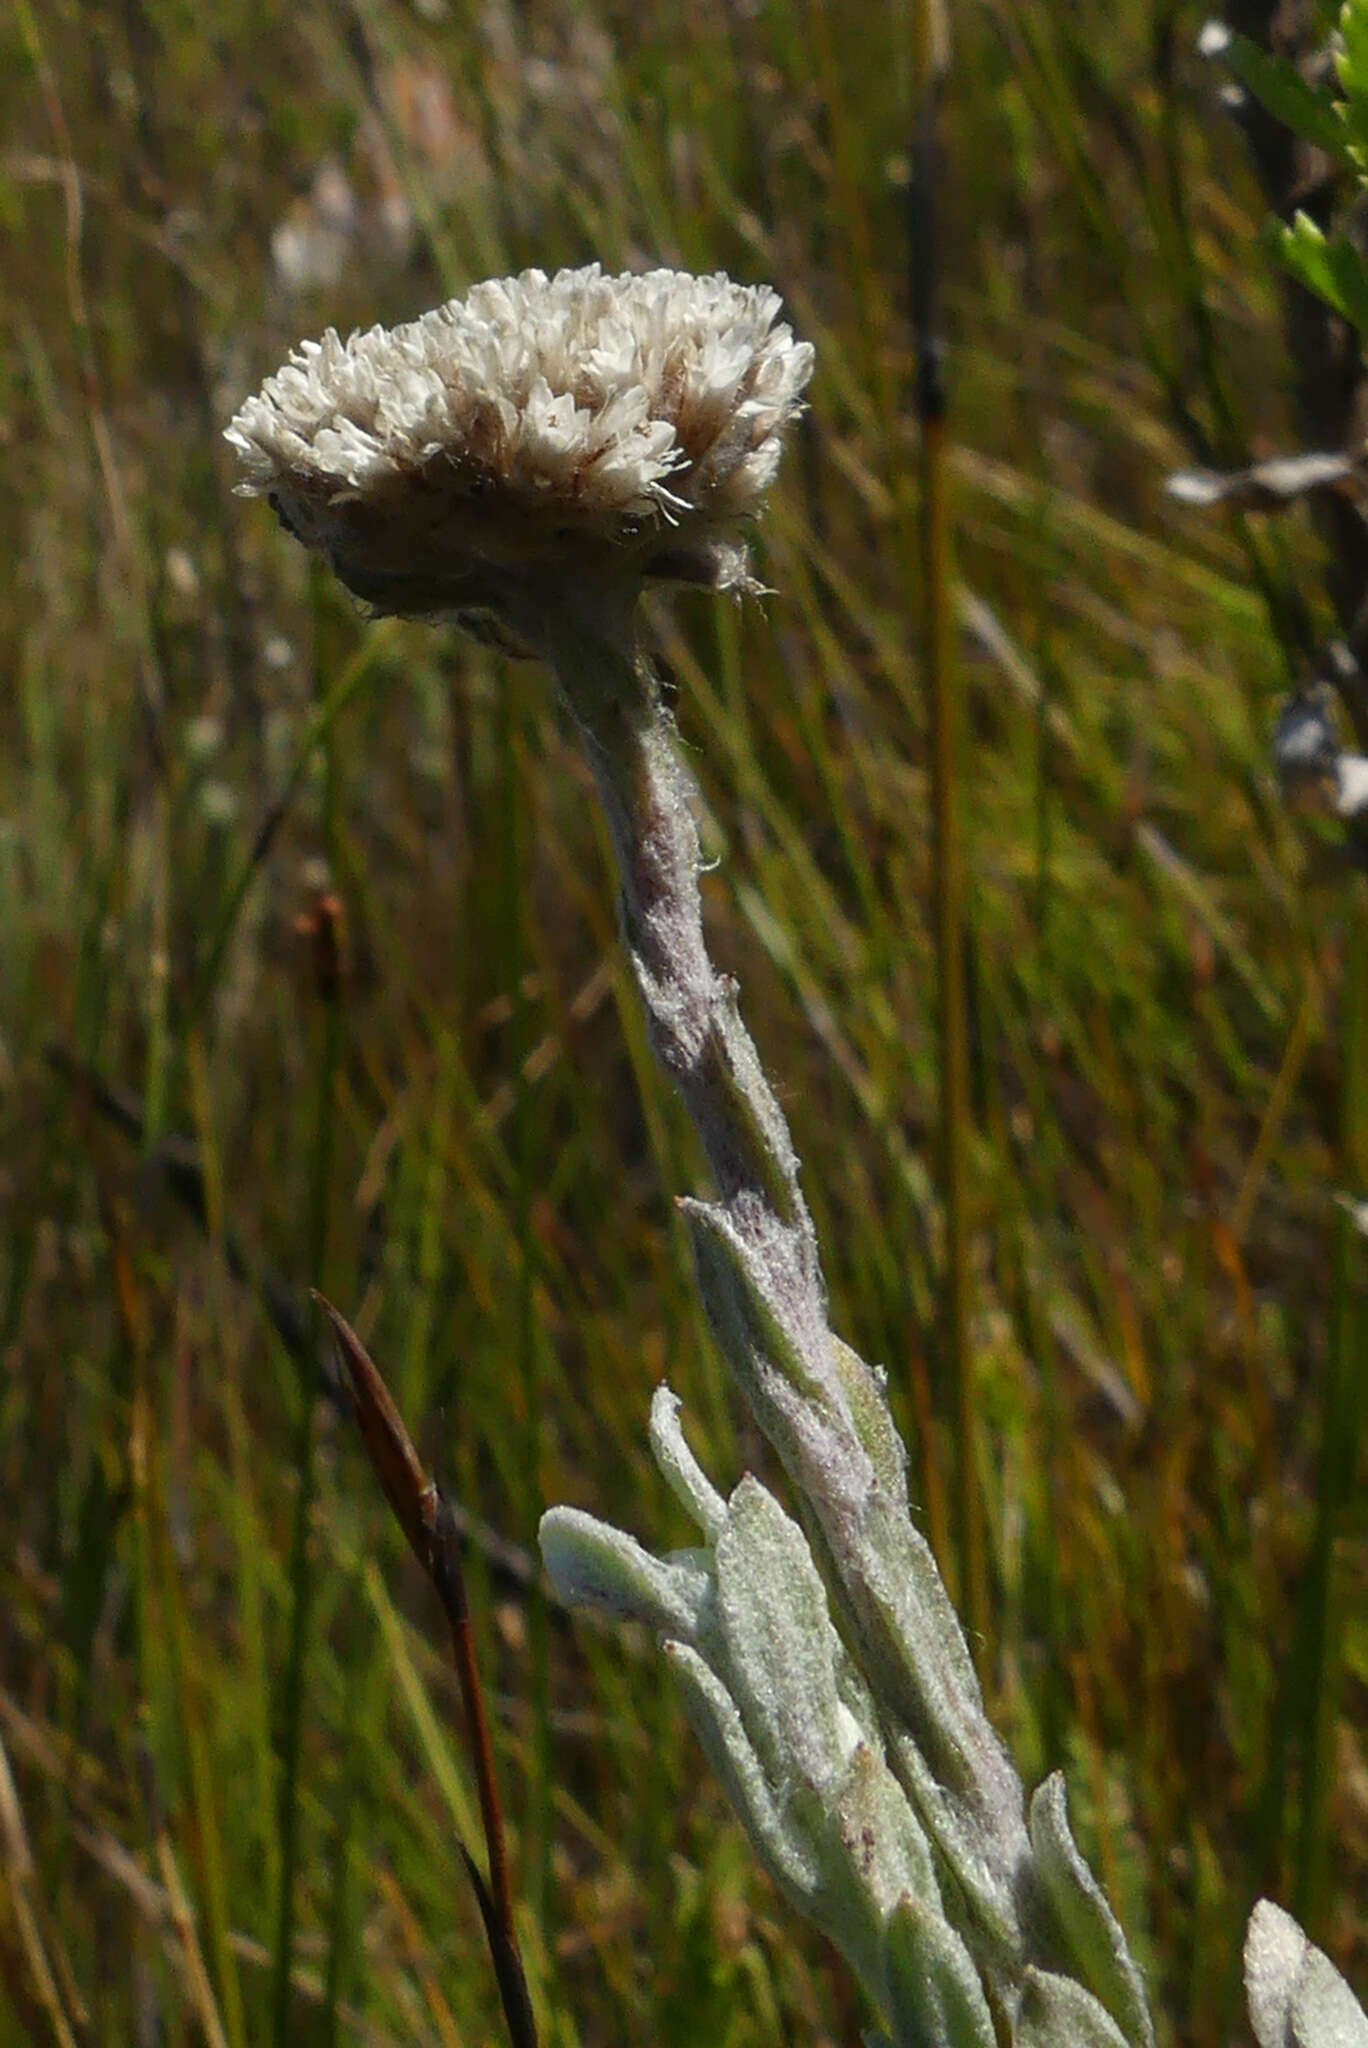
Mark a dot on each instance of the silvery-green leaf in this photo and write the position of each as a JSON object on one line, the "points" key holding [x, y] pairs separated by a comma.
{"points": [[934, 1994], [855, 1694], [917, 1637], [906, 1637], [1094, 1947], [1057, 2013], [979, 1856], [873, 1419], [870, 1852], [753, 1121], [941, 1746], [719, 1728], [1297, 1998], [591, 1564], [758, 1339], [780, 1643], [683, 1474]]}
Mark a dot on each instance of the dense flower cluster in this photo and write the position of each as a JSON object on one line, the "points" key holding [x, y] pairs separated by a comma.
{"points": [[432, 460]]}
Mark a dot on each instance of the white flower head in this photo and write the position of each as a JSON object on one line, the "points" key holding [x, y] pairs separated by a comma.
{"points": [[538, 425]]}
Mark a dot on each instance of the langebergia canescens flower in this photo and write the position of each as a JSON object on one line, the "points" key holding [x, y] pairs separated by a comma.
{"points": [[540, 431], [526, 458]]}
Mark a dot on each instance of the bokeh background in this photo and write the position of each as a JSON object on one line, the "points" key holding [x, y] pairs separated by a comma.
{"points": [[309, 973]]}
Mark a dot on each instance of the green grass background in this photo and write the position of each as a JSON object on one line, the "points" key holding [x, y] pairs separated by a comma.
{"points": [[470, 1150]]}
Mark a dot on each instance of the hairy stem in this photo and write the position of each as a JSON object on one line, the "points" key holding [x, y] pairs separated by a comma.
{"points": [[820, 1406], [696, 1030]]}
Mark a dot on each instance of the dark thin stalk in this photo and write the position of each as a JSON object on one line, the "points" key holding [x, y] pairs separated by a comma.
{"points": [[292, 1717], [449, 1579], [933, 548], [208, 1841], [150, 683], [1270, 570], [527, 1351], [1346, 1383], [365, 1673], [303, 1448], [317, 732], [1044, 813], [430, 1529]]}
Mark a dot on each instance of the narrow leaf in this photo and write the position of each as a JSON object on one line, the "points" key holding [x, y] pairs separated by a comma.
{"points": [[1334, 270], [1278, 85]]}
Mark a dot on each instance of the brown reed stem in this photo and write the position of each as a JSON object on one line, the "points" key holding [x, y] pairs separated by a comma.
{"points": [[433, 1536], [934, 576]]}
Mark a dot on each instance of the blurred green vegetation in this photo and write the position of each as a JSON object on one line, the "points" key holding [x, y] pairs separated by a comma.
{"points": [[466, 1145]]}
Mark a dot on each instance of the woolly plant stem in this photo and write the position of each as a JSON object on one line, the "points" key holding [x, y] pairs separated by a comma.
{"points": [[695, 1029], [760, 1275], [914, 1849]]}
